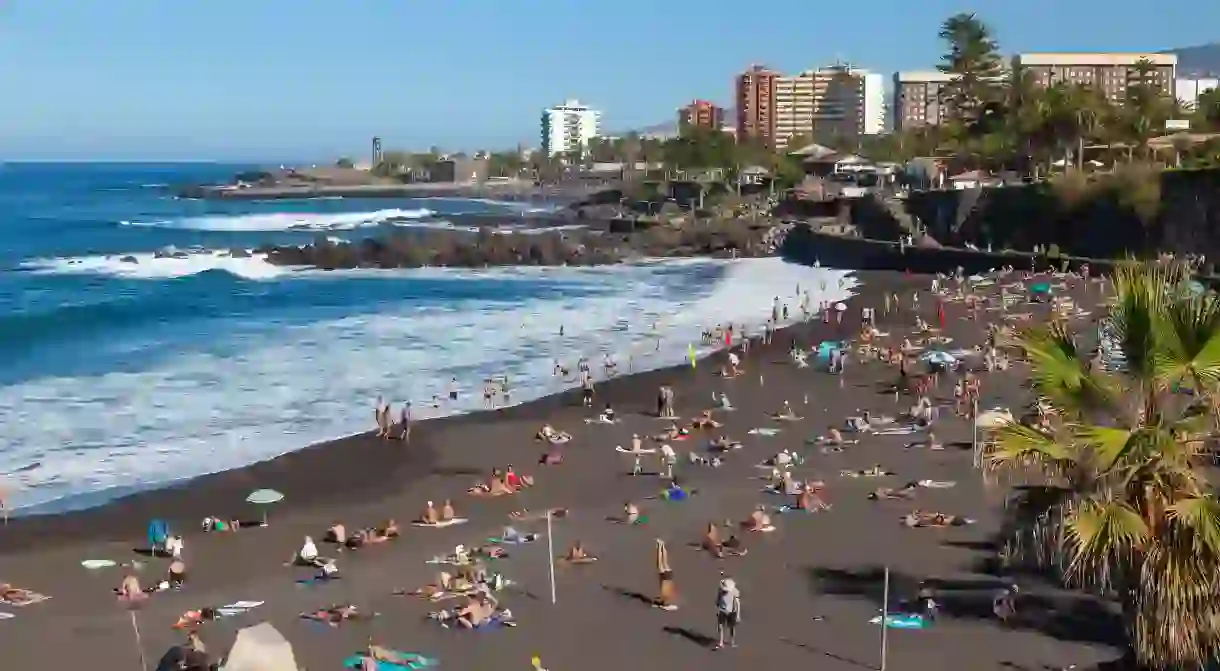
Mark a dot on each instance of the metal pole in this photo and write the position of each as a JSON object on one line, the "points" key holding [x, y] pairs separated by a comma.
{"points": [[885, 616], [974, 434], [550, 553]]}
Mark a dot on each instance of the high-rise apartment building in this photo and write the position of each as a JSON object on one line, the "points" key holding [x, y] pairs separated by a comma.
{"points": [[1107, 73], [828, 103], [569, 127], [918, 100], [701, 114], [755, 102]]}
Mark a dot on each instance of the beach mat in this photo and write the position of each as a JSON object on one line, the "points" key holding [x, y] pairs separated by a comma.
{"points": [[7, 616], [415, 662], [902, 621], [441, 525], [98, 563], [624, 450], [764, 432]]}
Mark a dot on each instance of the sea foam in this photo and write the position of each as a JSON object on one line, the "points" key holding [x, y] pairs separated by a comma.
{"points": [[73, 442], [290, 221]]}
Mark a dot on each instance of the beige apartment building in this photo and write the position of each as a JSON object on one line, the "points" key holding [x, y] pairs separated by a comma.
{"points": [[918, 100], [1108, 73], [827, 103]]}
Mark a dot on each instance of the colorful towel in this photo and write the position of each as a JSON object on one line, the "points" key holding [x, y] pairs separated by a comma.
{"points": [[902, 621], [414, 662], [18, 598], [238, 607]]}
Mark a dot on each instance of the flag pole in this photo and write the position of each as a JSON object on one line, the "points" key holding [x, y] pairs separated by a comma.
{"points": [[885, 616], [550, 553]]}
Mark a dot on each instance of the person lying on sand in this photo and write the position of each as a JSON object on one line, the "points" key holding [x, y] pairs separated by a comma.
{"points": [[307, 555], [578, 555], [720, 549], [786, 414], [390, 529], [552, 457], [705, 421], [477, 612], [493, 487], [219, 524], [334, 615], [672, 433], [918, 518], [175, 575], [550, 435], [631, 513], [128, 590], [876, 471], [524, 515], [445, 584], [809, 499], [904, 492], [516, 482], [723, 444], [759, 521]]}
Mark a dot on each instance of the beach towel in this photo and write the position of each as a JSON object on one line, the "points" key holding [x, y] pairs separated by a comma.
{"points": [[645, 450], [519, 540], [439, 525], [98, 563], [414, 662], [765, 431], [7, 616], [902, 621], [936, 484], [897, 431], [318, 580], [238, 607]]}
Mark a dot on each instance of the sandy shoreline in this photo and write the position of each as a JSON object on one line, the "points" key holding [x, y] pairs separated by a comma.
{"points": [[815, 566]]}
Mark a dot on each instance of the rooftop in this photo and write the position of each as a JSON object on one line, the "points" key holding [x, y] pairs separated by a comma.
{"points": [[1074, 58]]}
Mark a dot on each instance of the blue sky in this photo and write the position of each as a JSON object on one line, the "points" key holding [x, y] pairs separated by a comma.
{"points": [[262, 79]]}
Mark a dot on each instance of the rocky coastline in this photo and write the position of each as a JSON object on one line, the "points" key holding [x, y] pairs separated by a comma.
{"points": [[595, 243]]}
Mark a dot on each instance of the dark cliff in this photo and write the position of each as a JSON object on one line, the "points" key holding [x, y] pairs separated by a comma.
{"points": [[1137, 214]]}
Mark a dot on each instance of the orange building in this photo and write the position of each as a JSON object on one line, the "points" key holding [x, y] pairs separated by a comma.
{"points": [[701, 114]]}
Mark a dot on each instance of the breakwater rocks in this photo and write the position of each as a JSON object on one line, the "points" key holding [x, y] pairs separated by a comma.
{"points": [[601, 243]]}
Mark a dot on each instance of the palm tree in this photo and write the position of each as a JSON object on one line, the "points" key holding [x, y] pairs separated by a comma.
{"points": [[973, 60], [1117, 503]]}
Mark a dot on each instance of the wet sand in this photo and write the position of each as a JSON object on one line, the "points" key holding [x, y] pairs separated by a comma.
{"points": [[808, 589]]}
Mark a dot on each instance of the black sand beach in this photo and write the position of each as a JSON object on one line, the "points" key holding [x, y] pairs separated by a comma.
{"points": [[808, 589]]}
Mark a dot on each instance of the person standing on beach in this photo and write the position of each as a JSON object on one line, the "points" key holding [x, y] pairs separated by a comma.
{"points": [[667, 594], [586, 389], [405, 423], [453, 389], [728, 612]]}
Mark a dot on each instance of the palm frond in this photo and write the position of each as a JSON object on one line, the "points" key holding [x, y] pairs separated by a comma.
{"points": [[1100, 536]]}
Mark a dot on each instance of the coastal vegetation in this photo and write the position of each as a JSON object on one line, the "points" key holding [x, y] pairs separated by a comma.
{"points": [[1113, 496], [1001, 117]]}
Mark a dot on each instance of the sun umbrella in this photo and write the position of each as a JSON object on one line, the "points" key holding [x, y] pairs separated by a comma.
{"points": [[841, 307], [264, 497], [938, 357], [1040, 288], [994, 419]]}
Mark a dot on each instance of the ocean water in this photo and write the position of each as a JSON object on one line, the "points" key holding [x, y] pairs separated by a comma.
{"points": [[124, 376]]}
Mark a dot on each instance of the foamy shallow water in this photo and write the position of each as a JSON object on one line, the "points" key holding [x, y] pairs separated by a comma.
{"points": [[75, 441]]}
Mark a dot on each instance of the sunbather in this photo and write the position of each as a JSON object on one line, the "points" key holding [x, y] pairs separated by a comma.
{"points": [[758, 521], [477, 612], [666, 591], [810, 500], [723, 444], [672, 433], [220, 524], [890, 493], [430, 516], [550, 435], [631, 513], [918, 518], [786, 414], [705, 421], [493, 487], [128, 590], [447, 512], [176, 574], [307, 555], [334, 615], [578, 555]]}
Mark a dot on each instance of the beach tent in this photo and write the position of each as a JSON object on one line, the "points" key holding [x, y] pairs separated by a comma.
{"points": [[939, 358], [261, 648], [158, 533]]}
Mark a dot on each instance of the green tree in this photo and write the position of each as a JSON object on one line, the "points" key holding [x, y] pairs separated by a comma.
{"points": [[505, 164], [1113, 497], [1207, 111], [973, 60]]}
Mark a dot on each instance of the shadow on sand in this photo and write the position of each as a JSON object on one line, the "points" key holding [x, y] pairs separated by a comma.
{"points": [[1065, 617]]}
